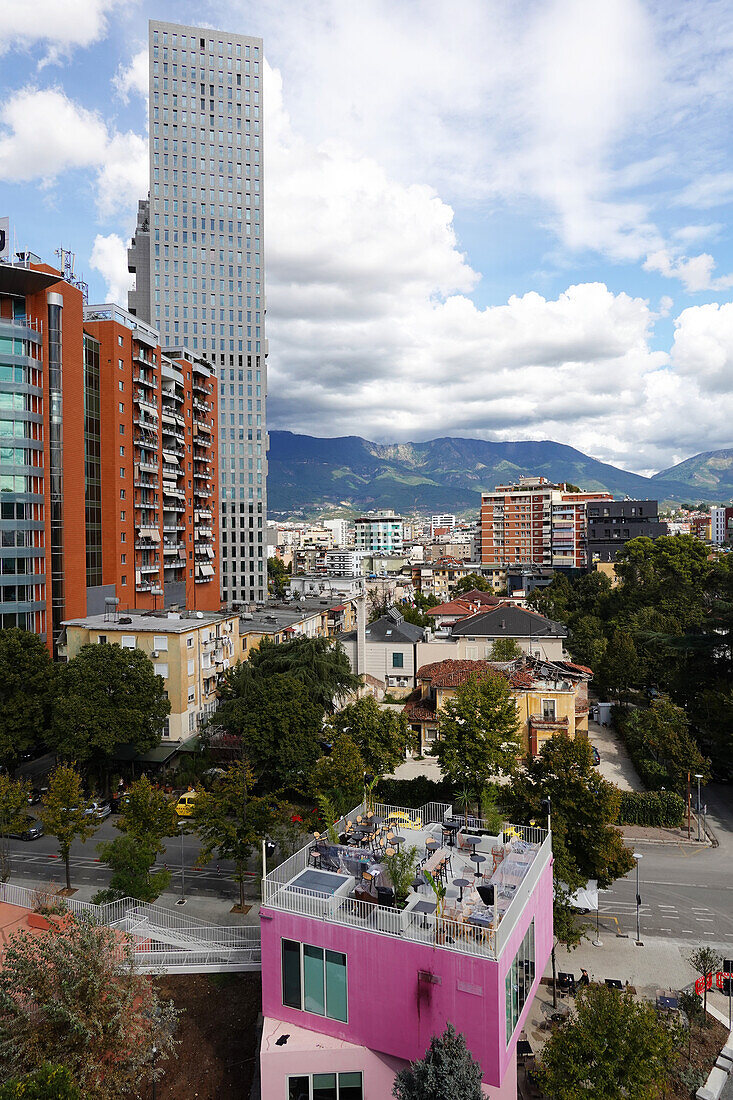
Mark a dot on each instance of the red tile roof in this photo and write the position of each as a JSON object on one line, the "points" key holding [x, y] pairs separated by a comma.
{"points": [[452, 673]]}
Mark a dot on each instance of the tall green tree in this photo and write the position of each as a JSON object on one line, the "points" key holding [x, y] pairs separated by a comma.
{"points": [[585, 840], [27, 678], [107, 697], [278, 725], [278, 577], [447, 1072], [339, 776], [147, 814], [231, 821], [74, 999], [320, 665], [63, 812], [705, 961], [620, 667], [131, 861], [479, 733], [610, 1047], [13, 816], [380, 734], [661, 732], [471, 582], [506, 649]]}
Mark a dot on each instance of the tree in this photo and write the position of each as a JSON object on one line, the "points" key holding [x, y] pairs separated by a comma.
{"points": [[611, 1046], [320, 665], [479, 732], [506, 649], [46, 1083], [661, 732], [585, 808], [620, 668], [447, 1072], [13, 816], [278, 577], [63, 812], [106, 697], [147, 814], [278, 726], [471, 582], [231, 821], [26, 691], [131, 860], [705, 961], [381, 735], [74, 999], [339, 776], [691, 1004]]}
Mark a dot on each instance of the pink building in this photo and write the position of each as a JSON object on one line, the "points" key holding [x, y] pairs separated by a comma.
{"points": [[354, 987]]}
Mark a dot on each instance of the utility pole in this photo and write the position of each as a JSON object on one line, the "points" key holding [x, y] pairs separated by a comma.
{"points": [[638, 857], [698, 777]]}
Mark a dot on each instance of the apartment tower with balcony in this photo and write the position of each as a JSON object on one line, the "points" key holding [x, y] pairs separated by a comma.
{"points": [[198, 259]]}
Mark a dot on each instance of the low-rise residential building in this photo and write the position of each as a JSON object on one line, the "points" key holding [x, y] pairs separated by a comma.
{"points": [[535, 635], [325, 617], [189, 649], [445, 614], [551, 696], [390, 651], [439, 578]]}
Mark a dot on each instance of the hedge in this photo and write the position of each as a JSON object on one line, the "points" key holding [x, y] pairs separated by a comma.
{"points": [[413, 793], [657, 808]]}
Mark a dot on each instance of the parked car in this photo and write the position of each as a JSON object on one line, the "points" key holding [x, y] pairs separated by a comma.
{"points": [[185, 804], [30, 831], [596, 756], [99, 810]]}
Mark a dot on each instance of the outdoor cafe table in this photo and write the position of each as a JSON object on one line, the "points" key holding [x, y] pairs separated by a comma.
{"points": [[435, 859], [424, 907]]}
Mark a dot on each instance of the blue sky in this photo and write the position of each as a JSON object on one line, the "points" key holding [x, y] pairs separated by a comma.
{"points": [[506, 221]]}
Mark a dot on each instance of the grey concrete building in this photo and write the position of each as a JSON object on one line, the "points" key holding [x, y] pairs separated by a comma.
{"points": [[199, 261]]}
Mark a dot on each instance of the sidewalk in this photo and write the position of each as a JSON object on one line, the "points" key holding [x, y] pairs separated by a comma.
{"points": [[659, 964], [645, 834]]}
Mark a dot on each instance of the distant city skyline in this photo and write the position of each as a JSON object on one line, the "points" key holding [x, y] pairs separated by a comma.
{"points": [[482, 222]]}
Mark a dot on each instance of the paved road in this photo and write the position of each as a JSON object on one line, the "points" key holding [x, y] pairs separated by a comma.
{"points": [[687, 892], [37, 861]]}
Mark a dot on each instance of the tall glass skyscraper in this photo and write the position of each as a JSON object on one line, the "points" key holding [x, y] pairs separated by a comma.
{"points": [[198, 258]]}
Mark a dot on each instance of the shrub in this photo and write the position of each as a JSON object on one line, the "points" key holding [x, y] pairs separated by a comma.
{"points": [[413, 793], [664, 809]]}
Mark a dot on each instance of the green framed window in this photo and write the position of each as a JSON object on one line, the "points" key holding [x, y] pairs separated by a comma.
{"points": [[314, 980], [519, 980]]}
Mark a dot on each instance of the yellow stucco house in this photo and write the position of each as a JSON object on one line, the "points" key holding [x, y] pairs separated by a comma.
{"points": [[551, 696]]}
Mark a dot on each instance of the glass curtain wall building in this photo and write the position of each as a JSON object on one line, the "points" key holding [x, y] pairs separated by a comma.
{"points": [[198, 259]]}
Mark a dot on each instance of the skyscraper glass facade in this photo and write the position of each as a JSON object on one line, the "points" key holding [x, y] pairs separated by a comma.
{"points": [[207, 288]]}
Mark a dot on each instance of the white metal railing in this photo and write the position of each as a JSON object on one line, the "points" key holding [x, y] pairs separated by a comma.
{"points": [[524, 891]]}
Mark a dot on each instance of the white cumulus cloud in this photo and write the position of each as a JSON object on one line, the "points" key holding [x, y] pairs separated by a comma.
{"points": [[59, 25], [132, 79], [109, 258], [44, 134]]}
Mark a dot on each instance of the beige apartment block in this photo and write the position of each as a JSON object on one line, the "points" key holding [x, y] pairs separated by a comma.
{"points": [[189, 649]]}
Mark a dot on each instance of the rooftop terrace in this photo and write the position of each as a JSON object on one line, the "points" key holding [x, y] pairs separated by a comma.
{"points": [[348, 882]]}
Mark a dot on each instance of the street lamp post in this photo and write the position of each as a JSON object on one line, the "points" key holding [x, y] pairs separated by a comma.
{"points": [[698, 777], [638, 856], [182, 899], [155, 1051]]}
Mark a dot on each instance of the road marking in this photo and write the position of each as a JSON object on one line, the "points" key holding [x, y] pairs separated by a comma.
{"points": [[667, 906], [700, 908]]}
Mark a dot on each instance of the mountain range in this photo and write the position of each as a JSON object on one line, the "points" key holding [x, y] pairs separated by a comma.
{"points": [[310, 474]]}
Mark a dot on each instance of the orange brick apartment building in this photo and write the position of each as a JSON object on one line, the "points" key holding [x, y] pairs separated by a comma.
{"points": [[108, 460]]}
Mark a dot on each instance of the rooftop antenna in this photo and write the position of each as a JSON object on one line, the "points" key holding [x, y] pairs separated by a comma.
{"points": [[68, 259]]}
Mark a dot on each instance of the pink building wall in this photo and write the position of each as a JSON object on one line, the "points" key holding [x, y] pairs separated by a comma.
{"points": [[392, 1009]]}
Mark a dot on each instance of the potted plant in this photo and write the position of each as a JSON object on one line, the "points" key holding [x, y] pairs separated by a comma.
{"points": [[439, 890], [401, 867]]}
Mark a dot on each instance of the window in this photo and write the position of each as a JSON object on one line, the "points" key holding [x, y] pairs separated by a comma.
{"points": [[326, 1086], [192, 695], [471, 652], [160, 641], [518, 982], [123, 579], [314, 980], [161, 669], [191, 666], [398, 660], [548, 709], [189, 642], [102, 639], [128, 641]]}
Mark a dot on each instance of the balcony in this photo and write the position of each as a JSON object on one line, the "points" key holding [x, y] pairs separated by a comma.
{"points": [[324, 880], [145, 380]]}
